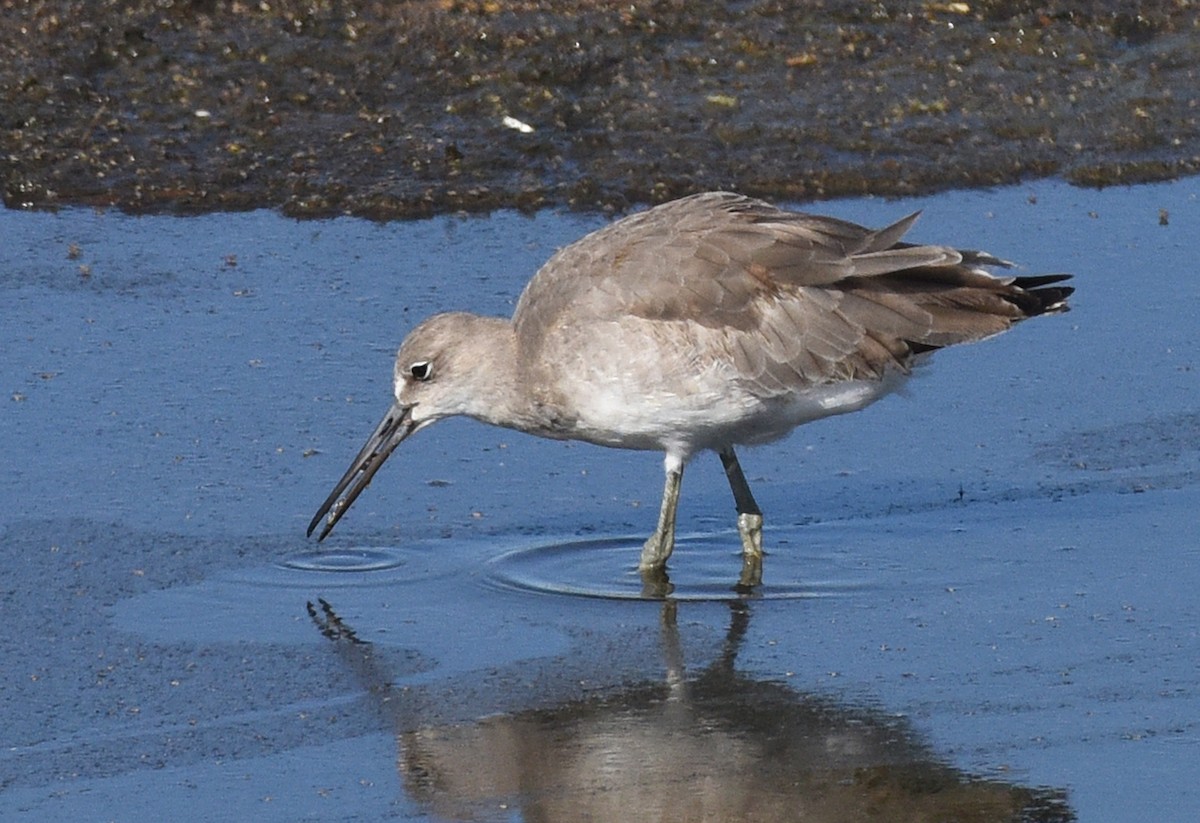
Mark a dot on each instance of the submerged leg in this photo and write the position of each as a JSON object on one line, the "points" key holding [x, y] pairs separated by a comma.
{"points": [[749, 520], [660, 545]]}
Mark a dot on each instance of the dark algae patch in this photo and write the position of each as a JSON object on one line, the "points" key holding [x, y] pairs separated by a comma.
{"points": [[400, 109]]}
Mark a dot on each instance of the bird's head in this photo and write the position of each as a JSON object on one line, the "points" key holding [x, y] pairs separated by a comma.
{"points": [[450, 364]]}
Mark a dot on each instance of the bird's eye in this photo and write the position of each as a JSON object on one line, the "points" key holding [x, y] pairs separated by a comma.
{"points": [[421, 371]]}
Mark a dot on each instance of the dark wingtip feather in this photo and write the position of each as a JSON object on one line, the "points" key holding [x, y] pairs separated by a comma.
{"points": [[1036, 281], [1042, 300]]}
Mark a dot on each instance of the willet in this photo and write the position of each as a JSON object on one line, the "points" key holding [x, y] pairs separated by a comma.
{"points": [[708, 322]]}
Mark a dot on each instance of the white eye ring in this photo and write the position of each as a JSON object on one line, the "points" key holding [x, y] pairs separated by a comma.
{"points": [[422, 370]]}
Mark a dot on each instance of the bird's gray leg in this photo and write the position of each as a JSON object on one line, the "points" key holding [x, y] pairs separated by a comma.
{"points": [[749, 520], [660, 545]]}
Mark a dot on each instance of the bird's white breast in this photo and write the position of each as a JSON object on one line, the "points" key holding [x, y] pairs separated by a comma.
{"points": [[648, 398]]}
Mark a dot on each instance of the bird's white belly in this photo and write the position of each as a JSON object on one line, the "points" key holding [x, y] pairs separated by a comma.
{"points": [[710, 413]]}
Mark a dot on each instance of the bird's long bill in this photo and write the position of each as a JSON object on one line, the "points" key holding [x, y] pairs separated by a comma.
{"points": [[396, 425]]}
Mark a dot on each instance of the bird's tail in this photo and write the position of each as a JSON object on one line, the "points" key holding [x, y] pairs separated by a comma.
{"points": [[1038, 295]]}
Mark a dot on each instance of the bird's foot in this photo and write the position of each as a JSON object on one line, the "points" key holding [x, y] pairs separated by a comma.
{"points": [[751, 576], [656, 551], [750, 529], [653, 566], [656, 584]]}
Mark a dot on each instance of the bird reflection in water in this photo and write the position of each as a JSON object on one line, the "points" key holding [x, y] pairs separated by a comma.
{"points": [[719, 746]]}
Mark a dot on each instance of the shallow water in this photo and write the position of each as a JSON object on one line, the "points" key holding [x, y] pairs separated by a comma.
{"points": [[979, 593]]}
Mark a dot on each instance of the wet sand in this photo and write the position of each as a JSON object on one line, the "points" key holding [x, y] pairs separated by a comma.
{"points": [[392, 110]]}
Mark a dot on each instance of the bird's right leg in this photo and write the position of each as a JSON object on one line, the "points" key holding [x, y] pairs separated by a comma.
{"points": [[749, 520], [660, 545]]}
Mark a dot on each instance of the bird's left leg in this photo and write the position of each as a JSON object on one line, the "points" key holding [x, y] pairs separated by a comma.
{"points": [[749, 520], [660, 545]]}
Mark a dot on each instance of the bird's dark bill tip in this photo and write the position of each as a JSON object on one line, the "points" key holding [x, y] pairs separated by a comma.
{"points": [[327, 518], [395, 426]]}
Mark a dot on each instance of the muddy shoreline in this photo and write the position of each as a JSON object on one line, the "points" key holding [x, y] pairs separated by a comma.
{"points": [[392, 110]]}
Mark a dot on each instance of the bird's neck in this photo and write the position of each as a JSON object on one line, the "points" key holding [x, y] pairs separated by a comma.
{"points": [[517, 394], [499, 396]]}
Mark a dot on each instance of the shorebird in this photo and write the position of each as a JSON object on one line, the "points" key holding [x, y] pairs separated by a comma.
{"points": [[708, 322]]}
